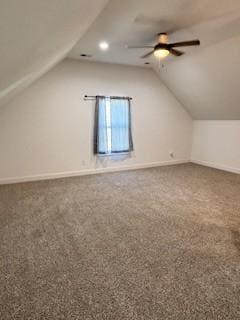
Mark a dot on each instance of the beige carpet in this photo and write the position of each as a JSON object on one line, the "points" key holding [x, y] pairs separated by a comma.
{"points": [[161, 243]]}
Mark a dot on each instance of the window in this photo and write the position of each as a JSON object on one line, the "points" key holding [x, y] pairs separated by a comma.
{"points": [[112, 126]]}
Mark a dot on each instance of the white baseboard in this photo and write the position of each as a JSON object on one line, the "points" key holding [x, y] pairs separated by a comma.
{"points": [[216, 166], [48, 176]]}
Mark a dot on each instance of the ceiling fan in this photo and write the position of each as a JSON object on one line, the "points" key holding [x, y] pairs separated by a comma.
{"points": [[163, 48]]}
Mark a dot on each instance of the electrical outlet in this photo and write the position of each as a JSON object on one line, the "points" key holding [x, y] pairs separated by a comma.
{"points": [[171, 153], [83, 162]]}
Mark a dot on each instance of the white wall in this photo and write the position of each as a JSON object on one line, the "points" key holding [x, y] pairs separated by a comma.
{"points": [[217, 144], [48, 129]]}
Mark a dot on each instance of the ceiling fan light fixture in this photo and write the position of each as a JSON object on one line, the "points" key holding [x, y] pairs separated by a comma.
{"points": [[161, 53]]}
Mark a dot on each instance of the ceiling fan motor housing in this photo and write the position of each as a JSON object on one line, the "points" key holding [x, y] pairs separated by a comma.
{"points": [[161, 46], [162, 37]]}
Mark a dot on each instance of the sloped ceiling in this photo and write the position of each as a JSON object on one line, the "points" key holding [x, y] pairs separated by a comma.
{"points": [[207, 82], [36, 34], [205, 79]]}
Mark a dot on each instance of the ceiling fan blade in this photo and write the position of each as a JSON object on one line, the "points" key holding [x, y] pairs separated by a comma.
{"points": [[175, 52], [147, 55], [139, 47], [184, 43]]}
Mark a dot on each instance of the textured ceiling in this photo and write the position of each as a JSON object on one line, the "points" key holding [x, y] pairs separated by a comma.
{"points": [[205, 80], [36, 34]]}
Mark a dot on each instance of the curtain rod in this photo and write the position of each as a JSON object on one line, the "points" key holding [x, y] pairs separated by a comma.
{"points": [[86, 97]]}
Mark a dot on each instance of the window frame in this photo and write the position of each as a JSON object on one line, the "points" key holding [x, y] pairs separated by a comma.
{"points": [[109, 127]]}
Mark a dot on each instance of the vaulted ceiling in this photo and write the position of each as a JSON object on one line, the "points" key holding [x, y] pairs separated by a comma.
{"points": [[204, 80], [36, 34]]}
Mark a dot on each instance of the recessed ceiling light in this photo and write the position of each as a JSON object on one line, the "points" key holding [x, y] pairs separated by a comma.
{"points": [[103, 45]]}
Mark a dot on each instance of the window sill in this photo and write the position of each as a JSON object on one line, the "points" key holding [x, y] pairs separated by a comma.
{"points": [[113, 154]]}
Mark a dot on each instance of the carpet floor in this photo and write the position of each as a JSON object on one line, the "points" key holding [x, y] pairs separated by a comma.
{"points": [[160, 243]]}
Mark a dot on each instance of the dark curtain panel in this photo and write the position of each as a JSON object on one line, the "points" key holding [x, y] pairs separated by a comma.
{"points": [[100, 126], [95, 137], [130, 126]]}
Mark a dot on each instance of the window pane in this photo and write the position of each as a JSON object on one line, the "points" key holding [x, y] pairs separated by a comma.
{"points": [[120, 125], [108, 118]]}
